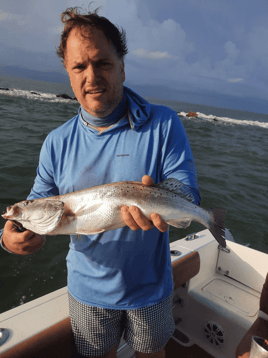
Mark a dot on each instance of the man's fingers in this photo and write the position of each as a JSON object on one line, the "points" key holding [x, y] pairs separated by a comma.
{"points": [[25, 236], [10, 226], [29, 235], [21, 243], [34, 244], [29, 247], [159, 223], [22, 236], [144, 223], [134, 218], [128, 219], [147, 180]]}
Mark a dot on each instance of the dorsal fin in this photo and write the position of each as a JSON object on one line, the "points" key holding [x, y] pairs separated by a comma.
{"points": [[177, 187]]}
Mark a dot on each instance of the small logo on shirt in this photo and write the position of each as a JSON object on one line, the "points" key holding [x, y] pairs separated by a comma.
{"points": [[122, 155]]}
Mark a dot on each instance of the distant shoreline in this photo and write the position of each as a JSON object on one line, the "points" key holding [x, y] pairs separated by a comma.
{"points": [[150, 92]]}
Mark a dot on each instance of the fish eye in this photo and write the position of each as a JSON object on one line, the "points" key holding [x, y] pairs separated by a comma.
{"points": [[27, 202]]}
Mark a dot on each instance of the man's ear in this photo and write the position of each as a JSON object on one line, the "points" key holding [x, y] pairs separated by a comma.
{"points": [[123, 71]]}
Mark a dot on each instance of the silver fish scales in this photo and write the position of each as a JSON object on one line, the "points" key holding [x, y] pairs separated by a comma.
{"points": [[97, 209]]}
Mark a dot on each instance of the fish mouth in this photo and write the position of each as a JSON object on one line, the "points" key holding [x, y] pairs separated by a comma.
{"points": [[11, 212], [7, 216], [6, 213]]}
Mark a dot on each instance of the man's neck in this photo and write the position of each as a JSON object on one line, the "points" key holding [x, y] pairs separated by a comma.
{"points": [[103, 123]]}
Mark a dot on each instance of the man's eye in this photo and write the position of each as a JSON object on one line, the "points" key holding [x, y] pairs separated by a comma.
{"points": [[104, 64], [79, 67]]}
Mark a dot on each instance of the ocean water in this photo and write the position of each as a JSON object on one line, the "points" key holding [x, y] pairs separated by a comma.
{"points": [[230, 151]]}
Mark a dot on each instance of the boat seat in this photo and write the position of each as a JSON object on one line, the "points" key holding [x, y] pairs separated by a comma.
{"points": [[54, 342], [259, 327], [58, 341], [185, 268]]}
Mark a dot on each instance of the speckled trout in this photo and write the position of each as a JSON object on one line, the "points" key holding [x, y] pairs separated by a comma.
{"points": [[97, 209]]}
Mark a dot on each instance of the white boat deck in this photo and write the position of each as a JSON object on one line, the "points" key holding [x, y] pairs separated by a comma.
{"points": [[230, 300]]}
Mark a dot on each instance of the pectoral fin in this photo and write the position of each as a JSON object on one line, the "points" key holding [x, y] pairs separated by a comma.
{"points": [[86, 209], [180, 224], [81, 232]]}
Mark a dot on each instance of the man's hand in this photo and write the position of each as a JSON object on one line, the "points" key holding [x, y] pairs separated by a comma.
{"points": [[134, 218], [21, 243]]}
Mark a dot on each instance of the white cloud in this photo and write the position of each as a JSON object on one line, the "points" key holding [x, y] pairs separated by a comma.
{"points": [[58, 29], [152, 55], [20, 19], [5, 16], [257, 47], [231, 50], [167, 37], [183, 41], [154, 36], [234, 80]]}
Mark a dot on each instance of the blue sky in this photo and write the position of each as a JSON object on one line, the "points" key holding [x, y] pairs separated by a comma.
{"points": [[211, 46]]}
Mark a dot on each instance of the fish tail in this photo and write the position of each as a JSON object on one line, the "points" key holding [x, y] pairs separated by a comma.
{"points": [[217, 225]]}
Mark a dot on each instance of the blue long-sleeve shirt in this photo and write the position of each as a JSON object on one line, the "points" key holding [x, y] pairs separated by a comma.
{"points": [[119, 269]]}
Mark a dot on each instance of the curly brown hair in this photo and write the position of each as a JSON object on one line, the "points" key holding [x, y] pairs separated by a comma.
{"points": [[72, 18]]}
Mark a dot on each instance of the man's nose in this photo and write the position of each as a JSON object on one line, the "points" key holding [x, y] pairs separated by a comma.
{"points": [[91, 74]]}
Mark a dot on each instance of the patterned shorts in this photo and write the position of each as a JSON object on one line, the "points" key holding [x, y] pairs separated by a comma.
{"points": [[97, 330]]}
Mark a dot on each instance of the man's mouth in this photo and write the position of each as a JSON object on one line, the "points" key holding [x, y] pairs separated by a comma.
{"points": [[95, 91]]}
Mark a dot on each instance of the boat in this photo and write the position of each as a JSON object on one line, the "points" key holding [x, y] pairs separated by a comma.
{"points": [[220, 302]]}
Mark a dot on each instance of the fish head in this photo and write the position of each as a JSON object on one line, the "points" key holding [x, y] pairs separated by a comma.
{"points": [[24, 212], [36, 215]]}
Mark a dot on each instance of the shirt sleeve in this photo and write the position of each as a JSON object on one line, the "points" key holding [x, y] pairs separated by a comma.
{"points": [[44, 184], [177, 157]]}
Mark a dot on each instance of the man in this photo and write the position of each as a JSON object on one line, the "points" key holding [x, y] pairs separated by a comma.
{"points": [[119, 281]]}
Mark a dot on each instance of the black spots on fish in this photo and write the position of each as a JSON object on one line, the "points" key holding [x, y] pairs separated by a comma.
{"points": [[128, 188], [164, 192], [178, 188], [173, 186], [139, 188]]}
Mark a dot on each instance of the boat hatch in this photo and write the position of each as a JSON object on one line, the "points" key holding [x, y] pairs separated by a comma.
{"points": [[236, 297], [243, 264]]}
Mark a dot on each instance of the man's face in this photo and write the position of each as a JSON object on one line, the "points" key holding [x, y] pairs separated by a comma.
{"points": [[96, 72]]}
